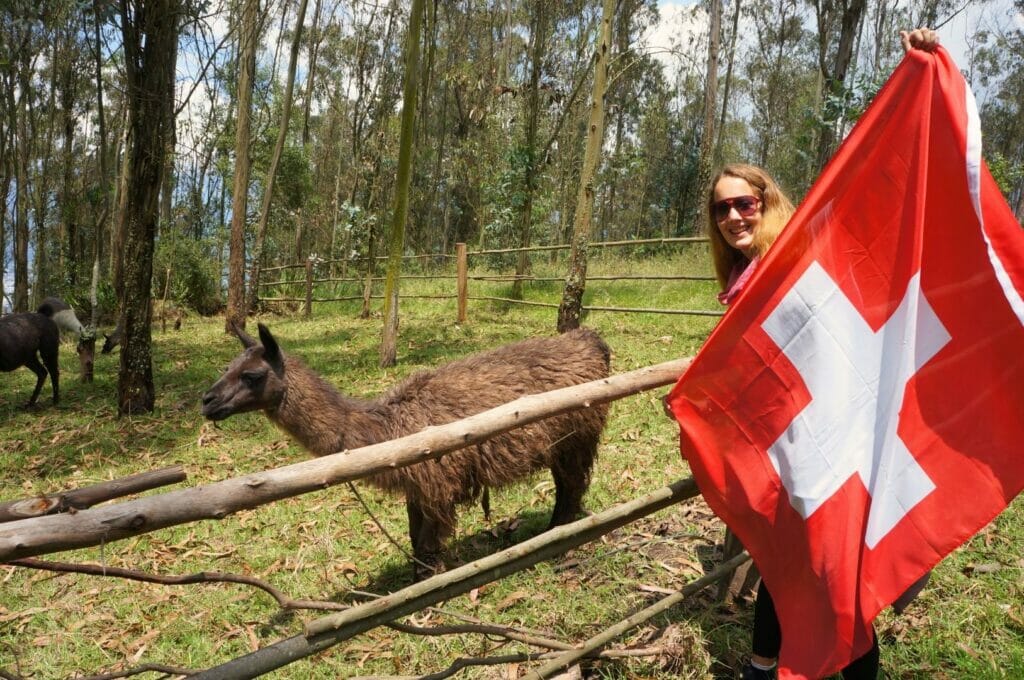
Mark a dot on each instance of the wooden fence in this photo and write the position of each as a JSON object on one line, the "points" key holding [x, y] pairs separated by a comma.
{"points": [[94, 526], [462, 278]]}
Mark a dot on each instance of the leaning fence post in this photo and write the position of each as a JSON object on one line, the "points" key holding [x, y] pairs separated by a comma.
{"points": [[163, 307], [462, 284], [309, 286]]}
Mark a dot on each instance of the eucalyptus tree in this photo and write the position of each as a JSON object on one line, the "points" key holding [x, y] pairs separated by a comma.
{"points": [[389, 336], [999, 65], [248, 41], [275, 159], [838, 23], [150, 34], [780, 83], [571, 307], [21, 49]]}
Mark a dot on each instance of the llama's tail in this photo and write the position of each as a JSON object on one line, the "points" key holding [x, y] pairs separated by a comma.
{"points": [[62, 314]]}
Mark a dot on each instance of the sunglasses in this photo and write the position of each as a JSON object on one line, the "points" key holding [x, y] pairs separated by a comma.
{"points": [[746, 206]]}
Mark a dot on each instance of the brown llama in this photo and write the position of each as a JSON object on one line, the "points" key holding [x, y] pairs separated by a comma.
{"points": [[325, 421]]}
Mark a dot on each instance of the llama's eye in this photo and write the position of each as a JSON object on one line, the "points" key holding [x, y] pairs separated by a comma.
{"points": [[252, 379]]}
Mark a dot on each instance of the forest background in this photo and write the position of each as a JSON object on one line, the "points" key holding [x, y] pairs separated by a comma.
{"points": [[214, 138]]}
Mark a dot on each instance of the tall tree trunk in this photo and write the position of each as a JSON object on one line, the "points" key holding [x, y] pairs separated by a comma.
{"points": [[707, 138], [104, 169], [314, 52], [538, 39], [389, 337], [6, 174], [167, 179], [121, 199], [571, 307], [235, 314], [22, 201], [150, 43], [275, 160], [728, 80], [834, 74], [68, 212]]}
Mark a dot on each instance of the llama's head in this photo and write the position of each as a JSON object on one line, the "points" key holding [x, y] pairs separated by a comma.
{"points": [[254, 381]]}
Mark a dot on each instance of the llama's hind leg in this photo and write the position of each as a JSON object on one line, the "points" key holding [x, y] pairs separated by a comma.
{"points": [[33, 365], [571, 471], [48, 351]]}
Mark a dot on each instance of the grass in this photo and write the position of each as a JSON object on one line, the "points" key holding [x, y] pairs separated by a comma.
{"points": [[969, 622]]}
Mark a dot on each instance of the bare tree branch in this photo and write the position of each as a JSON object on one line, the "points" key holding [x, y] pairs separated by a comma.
{"points": [[79, 499]]}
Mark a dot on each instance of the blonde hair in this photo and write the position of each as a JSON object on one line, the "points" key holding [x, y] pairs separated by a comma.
{"points": [[776, 209]]}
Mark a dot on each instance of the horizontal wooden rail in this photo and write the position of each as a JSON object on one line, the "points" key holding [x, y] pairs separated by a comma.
{"points": [[596, 308]]}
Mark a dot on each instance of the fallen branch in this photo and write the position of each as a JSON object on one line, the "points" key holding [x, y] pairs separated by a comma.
{"points": [[459, 664], [41, 535], [283, 600], [566, 659], [326, 632], [137, 670], [86, 497]]}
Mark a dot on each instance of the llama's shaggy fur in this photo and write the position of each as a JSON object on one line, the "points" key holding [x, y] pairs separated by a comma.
{"points": [[326, 421], [24, 339]]}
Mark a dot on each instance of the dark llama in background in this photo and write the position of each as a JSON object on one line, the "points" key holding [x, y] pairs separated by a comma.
{"points": [[111, 341], [325, 421], [24, 339]]}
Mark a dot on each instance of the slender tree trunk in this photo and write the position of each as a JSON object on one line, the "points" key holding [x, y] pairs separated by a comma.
{"points": [[150, 43], [389, 337], [117, 234], [538, 39], [167, 179], [571, 307], [835, 74], [707, 138], [314, 52], [21, 207], [728, 80], [275, 160], [68, 214], [235, 314]]}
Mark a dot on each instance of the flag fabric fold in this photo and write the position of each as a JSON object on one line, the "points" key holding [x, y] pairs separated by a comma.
{"points": [[856, 415]]}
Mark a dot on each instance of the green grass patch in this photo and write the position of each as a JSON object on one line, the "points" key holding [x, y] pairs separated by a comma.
{"points": [[968, 623]]}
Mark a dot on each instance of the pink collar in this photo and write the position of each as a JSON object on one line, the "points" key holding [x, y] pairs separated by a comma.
{"points": [[738, 278]]}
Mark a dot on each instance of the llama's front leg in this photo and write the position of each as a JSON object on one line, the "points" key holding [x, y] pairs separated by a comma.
{"points": [[426, 544], [571, 472]]}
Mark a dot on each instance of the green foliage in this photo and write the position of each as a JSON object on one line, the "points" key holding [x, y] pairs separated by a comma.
{"points": [[194, 274], [1007, 173]]}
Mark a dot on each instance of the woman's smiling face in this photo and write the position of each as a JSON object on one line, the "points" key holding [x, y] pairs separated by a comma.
{"points": [[737, 230]]}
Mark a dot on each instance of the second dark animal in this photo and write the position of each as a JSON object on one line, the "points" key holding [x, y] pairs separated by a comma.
{"points": [[325, 421], [24, 340]]}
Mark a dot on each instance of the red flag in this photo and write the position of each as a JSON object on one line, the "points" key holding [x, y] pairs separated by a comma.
{"points": [[857, 414]]}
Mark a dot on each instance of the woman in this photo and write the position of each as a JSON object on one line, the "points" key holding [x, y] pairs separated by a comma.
{"points": [[746, 213]]}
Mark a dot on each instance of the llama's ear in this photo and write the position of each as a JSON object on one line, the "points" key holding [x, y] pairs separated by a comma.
{"points": [[271, 352], [247, 340]]}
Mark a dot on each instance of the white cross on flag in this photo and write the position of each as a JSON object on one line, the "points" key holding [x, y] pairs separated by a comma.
{"points": [[857, 414]]}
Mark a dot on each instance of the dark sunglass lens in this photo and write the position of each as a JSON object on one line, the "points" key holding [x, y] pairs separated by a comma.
{"points": [[746, 206]]}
